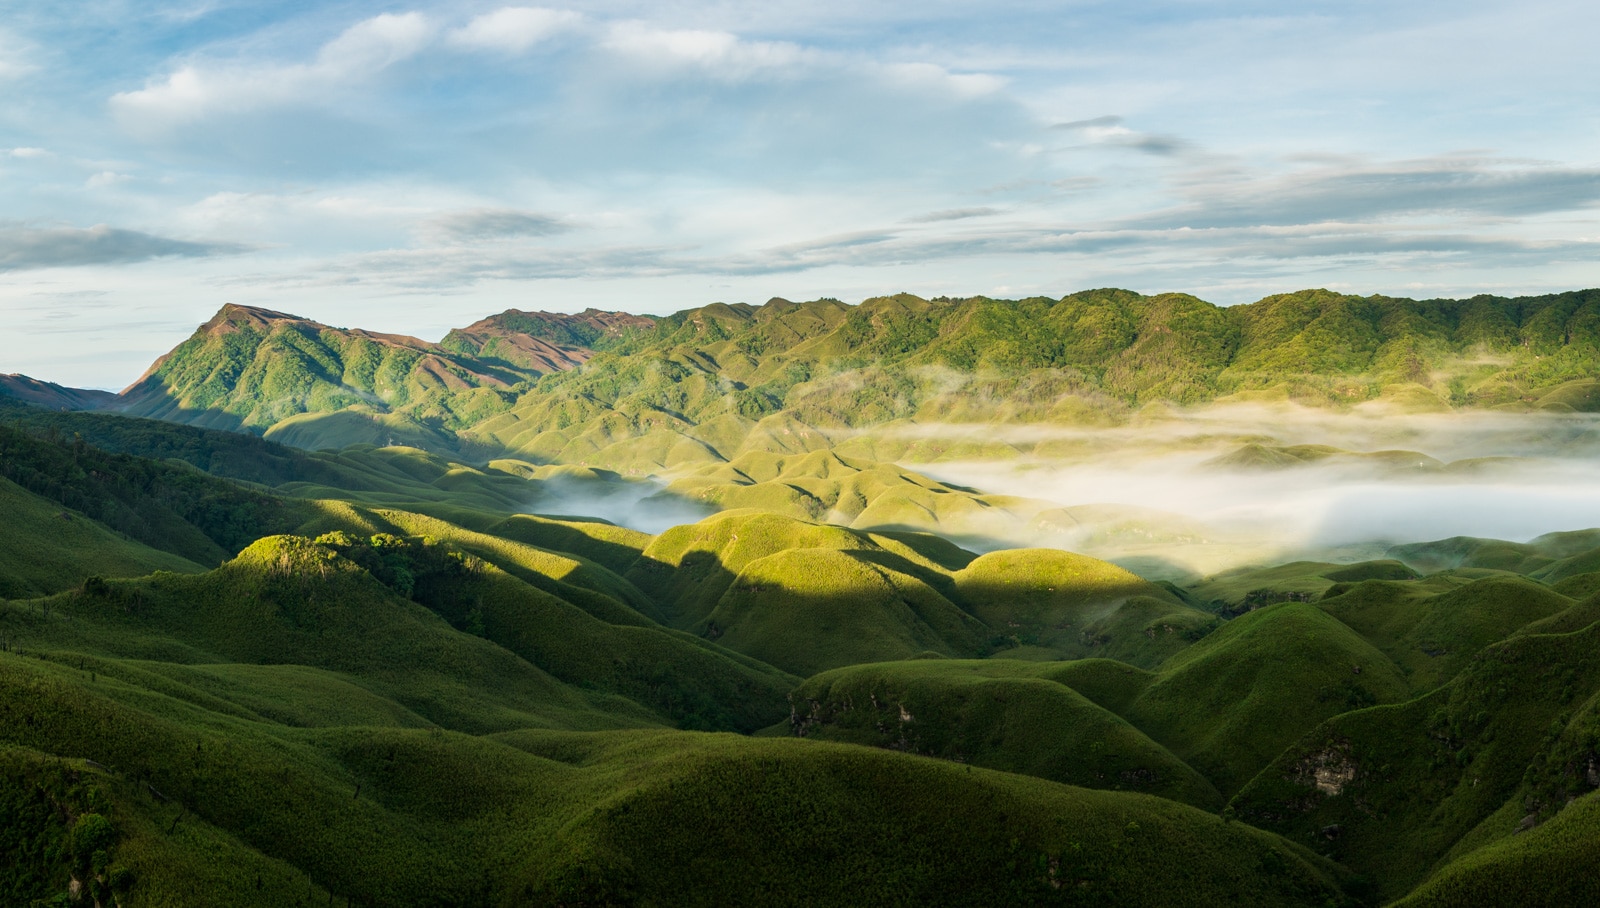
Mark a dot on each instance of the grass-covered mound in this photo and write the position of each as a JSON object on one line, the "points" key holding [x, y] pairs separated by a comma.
{"points": [[1548, 867], [730, 821], [1229, 704], [1002, 714], [1244, 588], [1432, 637], [573, 578], [681, 677], [807, 610], [1396, 792], [808, 597], [1046, 603], [688, 568], [849, 491]]}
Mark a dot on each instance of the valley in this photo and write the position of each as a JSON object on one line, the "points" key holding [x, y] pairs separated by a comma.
{"points": [[1110, 599]]}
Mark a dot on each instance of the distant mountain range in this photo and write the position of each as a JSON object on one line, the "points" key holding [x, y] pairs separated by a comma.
{"points": [[641, 394]]}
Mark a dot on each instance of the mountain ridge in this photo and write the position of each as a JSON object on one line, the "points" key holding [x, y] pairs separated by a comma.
{"points": [[645, 394]]}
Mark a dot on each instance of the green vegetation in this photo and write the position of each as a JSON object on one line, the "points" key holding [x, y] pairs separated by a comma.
{"points": [[235, 672], [45, 549], [1014, 716], [705, 386], [1453, 776]]}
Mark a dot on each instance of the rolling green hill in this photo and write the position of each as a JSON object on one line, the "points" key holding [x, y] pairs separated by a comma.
{"points": [[177, 731], [400, 661], [1448, 780]]}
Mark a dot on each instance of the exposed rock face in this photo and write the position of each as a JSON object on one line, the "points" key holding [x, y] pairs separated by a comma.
{"points": [[1330, 769], [543, 341]]}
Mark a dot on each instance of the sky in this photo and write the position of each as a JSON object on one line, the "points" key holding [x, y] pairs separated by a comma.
{"points": [[414, 167]]}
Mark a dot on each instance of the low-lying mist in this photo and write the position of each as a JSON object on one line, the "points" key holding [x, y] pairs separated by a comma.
{"points": [[1208, 490], [638, 504]]}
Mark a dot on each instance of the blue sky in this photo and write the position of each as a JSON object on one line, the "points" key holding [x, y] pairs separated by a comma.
{"points": [[413, 167]]}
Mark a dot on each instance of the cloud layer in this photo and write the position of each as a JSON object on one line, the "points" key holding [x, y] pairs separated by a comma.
{"points": [[359, 156]]}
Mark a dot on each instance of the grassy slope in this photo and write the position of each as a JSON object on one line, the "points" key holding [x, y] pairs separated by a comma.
{"points": [[223, 711], [879, 828], [1054, 604], [1229, 704], [1549, 867], [45, 549], [1002, 714], [1408, 785], [1432, 637]]}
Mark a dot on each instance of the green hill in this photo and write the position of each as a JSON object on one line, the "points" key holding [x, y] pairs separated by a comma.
{"points": [[1406, 791], [1052, 604], [318, 386], [45, 549], [1230, 703], [642, 395], [238, 672], [168, 737], [1000, 714]]}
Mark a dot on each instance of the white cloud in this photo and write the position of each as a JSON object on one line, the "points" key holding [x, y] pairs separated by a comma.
{"points": [[929, 75], [29, 153], [514, 29], [726, 56], [375, 44], [106, 178], [196, 90], [722, 53]]}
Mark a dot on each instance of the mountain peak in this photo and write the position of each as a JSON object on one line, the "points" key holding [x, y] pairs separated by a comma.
{"points": [[233, 316]]}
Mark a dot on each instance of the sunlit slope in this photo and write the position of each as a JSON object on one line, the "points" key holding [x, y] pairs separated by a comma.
{"points": [[808, 597], [1055, 604], [1399, 792], [45, 549], [572, 577], [320, 386], [822, 485]]}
